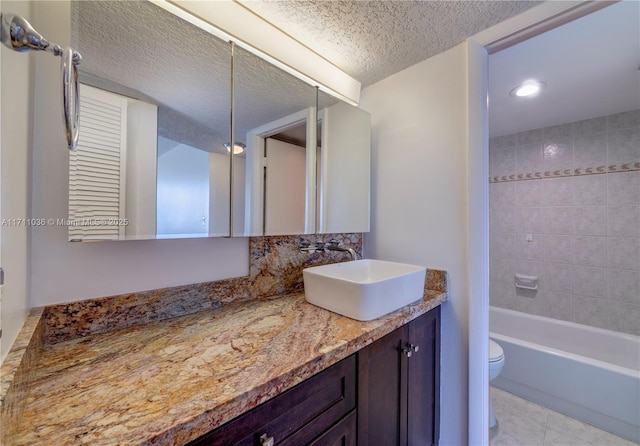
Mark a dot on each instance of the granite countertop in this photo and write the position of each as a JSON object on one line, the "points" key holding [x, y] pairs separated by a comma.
{"points": [[168, 382]]}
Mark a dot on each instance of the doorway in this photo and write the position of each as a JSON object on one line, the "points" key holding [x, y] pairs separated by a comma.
{"points": [[564, 207]]}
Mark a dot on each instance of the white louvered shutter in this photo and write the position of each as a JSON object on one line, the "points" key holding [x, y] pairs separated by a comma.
{"points": [[97, 168]]}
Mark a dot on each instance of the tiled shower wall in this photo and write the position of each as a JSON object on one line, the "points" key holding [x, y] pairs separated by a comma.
{"points": [[575, 189]]}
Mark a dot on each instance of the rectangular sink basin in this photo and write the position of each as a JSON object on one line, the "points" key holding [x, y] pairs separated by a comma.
{"points": [[363, 289]]}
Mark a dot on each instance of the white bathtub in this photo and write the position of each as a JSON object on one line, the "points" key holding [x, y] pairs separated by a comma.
{"points": [[586, 373]]}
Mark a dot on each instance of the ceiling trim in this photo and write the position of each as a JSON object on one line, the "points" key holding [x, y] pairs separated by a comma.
{"points": [[536, 21], [231, 21]]}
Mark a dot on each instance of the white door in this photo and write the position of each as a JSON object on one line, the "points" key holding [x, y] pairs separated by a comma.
{"points": [[284, 189]]}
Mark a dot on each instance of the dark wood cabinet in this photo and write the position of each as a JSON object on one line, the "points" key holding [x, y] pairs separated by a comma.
{"points": [[342, 434], [385, 394], [398, 385], [380, 385], [300, 416], [423, 386]]}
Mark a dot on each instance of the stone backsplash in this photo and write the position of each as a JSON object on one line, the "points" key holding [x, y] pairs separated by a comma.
{"points": [[275, 270], [276, 265]]}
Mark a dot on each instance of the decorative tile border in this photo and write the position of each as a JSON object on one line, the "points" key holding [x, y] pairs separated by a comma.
{"points": [[613, 168]]}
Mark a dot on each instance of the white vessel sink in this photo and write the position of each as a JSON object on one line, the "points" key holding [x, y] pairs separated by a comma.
{"points": [[363, 289]]}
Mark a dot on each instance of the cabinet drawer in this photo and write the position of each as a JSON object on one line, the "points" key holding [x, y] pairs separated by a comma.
{"points": [[301, 413], [342, 434]]}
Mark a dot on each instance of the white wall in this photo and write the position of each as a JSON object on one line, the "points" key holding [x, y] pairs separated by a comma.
{"points": [[346, 157], [183, 192], [63, 271], [284, 189], [420, 151], [142, 144], [16, 92], [219, 194], [239, 184]]}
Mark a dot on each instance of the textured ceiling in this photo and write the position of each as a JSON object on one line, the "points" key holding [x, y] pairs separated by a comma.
{"points": [[137, 49], [140, 50], [371, 40]]}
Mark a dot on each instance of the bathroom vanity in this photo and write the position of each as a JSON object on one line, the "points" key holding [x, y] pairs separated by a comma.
{"points": [[278, 367], [389, 390]]}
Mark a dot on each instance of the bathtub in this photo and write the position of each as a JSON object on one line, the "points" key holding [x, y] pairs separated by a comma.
{"points": [[586, 373]]}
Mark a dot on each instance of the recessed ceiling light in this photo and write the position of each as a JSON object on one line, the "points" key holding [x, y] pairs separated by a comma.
{"points": [[238, 147], [528, 88]]}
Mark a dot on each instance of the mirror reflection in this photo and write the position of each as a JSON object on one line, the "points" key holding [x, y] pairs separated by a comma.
{"points": [[154, 157], [280, 143], [155, 98], [344, 167]]}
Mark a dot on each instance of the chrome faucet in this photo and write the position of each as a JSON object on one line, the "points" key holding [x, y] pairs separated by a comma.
{"points": [[334, 245]]}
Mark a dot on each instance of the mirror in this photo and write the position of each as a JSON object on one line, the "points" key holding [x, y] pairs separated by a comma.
{"points": [[344, 167], [280, 158], [155, 118], [301, 178], [155, 104]]}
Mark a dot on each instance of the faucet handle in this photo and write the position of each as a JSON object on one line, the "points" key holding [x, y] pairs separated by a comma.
{"points": [[305, 246]]}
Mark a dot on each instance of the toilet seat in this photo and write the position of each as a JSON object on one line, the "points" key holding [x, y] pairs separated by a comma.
{"points": [[495, 352]]}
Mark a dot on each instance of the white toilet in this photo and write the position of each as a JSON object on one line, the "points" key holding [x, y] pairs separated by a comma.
{"points": [[496, 362]]}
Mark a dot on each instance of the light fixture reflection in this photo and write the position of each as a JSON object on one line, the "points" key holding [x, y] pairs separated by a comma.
{"points": [[238, 147], [317, 72], [528, 89]]}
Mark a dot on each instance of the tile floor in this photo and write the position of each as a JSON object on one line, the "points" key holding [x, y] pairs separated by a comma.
{"points": [[523, 423]]}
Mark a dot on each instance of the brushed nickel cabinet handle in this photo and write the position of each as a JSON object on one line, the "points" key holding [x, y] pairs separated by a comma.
{"points": [[265, 440]]}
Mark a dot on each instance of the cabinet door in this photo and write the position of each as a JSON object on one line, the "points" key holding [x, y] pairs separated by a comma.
{"points": [[382, 387], [423, 380], [398, 386]]}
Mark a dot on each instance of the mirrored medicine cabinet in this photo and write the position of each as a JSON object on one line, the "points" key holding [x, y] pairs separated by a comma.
{"points": [[157, 157]]}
